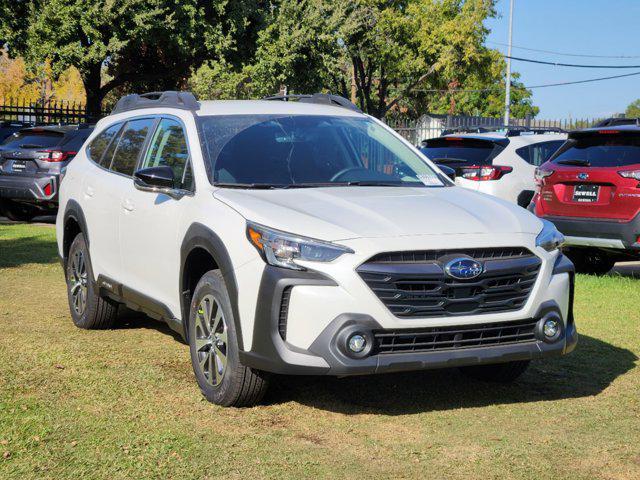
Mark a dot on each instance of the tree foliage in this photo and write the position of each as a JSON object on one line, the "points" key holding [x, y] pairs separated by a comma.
{"points": [[132, 43], [398, 53], [633, 110]]}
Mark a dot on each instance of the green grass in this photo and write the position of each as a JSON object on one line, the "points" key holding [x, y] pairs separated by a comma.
{"points": [[123, 403]]}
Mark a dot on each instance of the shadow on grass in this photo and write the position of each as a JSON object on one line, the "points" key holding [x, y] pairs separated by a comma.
{"points": [[15, 252], [585, 372], [131, 320]]}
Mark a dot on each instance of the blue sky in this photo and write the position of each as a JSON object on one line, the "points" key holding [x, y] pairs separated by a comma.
{"points": [[593, 27]]}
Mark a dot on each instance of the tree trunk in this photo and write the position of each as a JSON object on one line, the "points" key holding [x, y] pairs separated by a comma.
{"points": [[91, 78]]}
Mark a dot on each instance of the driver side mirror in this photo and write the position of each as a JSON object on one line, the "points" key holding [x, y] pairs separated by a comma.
{"points": [[448, 171], [156, 180]]}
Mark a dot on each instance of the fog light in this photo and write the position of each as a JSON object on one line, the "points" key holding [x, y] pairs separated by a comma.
{"points": [[357, 343], [550, 328]]}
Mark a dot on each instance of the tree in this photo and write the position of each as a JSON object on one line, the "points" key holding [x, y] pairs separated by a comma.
{"points": [[393, 51], [633, 110], [150, 43]]}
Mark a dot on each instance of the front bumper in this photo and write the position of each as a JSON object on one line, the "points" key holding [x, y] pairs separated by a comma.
{"points": [[591, 232], [327, 355], [29, 188]]}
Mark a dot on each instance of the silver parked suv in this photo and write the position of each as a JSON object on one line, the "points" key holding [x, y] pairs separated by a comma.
{"points": [[32, 162]]}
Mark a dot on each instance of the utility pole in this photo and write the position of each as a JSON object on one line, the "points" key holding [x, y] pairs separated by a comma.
{"points": [[507, 97]]}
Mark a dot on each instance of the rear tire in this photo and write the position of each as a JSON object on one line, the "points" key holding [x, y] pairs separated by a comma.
{"points": [[591, 261], [17, 212], [213, 345], [88, 309], [498, 372]]}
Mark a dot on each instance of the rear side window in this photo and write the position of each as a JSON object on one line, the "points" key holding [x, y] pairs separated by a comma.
{"points": [[130, 145], [456, 151], [538, 153], [168, 147], [99, 145], [610, 149], [33, 138]]}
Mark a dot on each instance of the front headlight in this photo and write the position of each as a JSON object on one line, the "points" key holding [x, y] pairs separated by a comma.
{"points": [[549, 238], [282, 249]]}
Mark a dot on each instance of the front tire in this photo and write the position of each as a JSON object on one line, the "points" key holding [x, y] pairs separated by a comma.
{"points": [[213, 345], [498, 372], [88, 309]]}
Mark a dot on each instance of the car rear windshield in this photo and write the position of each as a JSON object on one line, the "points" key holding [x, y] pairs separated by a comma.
{"points": [[276, 151], [33, 139], [458, 151], [74, 140], [609, 149]]}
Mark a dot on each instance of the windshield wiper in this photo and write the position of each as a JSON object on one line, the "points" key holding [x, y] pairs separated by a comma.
{"points": [[256, 186], [31, 145], [449, 160], [372, 183], [576, 161]]}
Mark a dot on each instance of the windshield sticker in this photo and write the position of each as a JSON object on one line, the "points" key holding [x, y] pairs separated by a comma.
{"points": [[430, 180]]}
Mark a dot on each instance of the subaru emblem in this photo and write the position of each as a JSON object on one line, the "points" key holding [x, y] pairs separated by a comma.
{"points": [[583, 176], [463, 268]]}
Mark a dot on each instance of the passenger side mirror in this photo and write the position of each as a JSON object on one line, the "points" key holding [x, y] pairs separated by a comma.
{"points": [[448, 171], [157, 180]]}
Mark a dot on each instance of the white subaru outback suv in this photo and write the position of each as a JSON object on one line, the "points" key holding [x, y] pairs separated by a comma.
{"points": [[303, 237], [498, 162]]}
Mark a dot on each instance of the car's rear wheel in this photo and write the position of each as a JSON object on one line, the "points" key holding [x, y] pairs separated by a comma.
{"points": [[88, 309], [17, 212], [498, 372], [591, 261], [213, 345]]}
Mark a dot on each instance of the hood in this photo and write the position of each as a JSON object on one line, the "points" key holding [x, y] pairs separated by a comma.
{"points": [[341, 213]]}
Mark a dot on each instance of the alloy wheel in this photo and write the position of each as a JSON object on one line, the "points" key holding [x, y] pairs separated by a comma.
{"points": [[211, 340], [77, 275]]}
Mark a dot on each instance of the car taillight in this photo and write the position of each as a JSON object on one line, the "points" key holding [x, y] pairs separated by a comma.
{"points": [[635, 174], [541, 174], [482, 173], [55, 155], [48, 189]]}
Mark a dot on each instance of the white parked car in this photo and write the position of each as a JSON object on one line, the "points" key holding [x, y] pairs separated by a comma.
{"points": [[303, 237], [500, 163]]}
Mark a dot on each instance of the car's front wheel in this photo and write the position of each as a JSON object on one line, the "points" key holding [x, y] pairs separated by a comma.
{"points": [[88, 309], [213, 345], [498, 372]]}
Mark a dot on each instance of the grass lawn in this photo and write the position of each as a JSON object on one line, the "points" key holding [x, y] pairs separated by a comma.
{"points": [[124, 404]]}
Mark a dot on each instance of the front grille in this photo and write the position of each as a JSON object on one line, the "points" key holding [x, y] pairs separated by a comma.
{"points": [[284, 312], [414, 284], [454, 337]]}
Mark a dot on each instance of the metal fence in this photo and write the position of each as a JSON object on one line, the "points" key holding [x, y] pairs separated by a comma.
{"points": [[431, 126], [50, 112]]}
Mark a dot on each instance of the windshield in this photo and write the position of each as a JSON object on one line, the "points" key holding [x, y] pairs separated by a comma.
{"points": [[278, 151], [601, 150], [456, 151], [33, 139]]}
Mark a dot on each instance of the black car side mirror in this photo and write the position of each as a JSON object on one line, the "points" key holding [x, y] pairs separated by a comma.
{"points": [[448, 171], [154, 178]]}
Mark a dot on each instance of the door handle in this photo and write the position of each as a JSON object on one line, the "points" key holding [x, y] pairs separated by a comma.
{"points": [[128, 205], [89, 191]]}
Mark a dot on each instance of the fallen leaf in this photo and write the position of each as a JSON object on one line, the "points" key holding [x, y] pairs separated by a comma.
{"points": [[74, 443], [59, 367], [6, 455]]}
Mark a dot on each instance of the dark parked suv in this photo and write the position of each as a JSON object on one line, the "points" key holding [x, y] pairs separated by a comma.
{"points": [[32, 163]]}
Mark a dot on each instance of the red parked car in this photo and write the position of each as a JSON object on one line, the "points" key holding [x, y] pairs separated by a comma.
{"points": [[590, 189]]}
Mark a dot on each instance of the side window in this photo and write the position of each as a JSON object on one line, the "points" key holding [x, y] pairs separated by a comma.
{"points": [[99, 145], [168, 147], [539, 153], [130, 145]]}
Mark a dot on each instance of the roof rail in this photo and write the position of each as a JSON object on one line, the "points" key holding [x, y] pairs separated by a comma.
{"points": [[318, 98], [508, 130], [171, 99], [616, 121]]}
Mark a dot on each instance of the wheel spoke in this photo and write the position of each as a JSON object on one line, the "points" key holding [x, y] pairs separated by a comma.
{"points": [[201, 343], [216, 319], [204, 360], [223, 336], [221, 365], [211, 366], [201, 324]]}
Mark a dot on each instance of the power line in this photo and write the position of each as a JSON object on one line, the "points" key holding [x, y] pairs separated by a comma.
{"points": [[498, 87], [555, 64], [562, 53]]}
